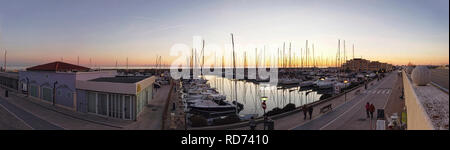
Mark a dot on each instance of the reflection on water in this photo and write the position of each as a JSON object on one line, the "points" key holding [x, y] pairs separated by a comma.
{"points": [[249, 94]]}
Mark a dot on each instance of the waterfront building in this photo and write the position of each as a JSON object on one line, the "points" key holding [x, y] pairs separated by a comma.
{"points": [[357, 64], [362, 65], [81, 89], [122, 97]]}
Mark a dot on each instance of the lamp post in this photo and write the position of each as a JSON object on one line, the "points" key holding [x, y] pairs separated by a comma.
{"points": [[54, 92], [264, 99], [28, 87]]}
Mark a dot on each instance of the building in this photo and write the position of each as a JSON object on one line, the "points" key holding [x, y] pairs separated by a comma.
{"points": [[361, 65], [80, 89], [117, 97], [356, 64], [374, 66]]}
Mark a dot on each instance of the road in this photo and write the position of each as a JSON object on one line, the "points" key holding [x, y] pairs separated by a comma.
{"points": [[25, 117], [440, 77], [352, 115]]}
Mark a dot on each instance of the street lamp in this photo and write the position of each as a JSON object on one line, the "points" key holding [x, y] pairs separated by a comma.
{"points": [[264, 99], [54, 92], [28, 87]]}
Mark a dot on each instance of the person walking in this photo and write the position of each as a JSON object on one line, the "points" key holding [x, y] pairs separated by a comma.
{"points": [[368, 109], [305, 111], [310, 110], [372, 109], [252, 123]]}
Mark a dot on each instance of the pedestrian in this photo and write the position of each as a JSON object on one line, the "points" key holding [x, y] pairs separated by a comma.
{"points": [[368, 109], [252, 123], [266, 121], [310, 110], [305, 111], [372, 109]]}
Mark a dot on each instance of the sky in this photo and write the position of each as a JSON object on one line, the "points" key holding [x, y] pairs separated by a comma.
{"points": [[105, 31]]}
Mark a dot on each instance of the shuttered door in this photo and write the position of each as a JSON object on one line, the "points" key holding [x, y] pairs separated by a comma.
{"points": [[47, 94]]}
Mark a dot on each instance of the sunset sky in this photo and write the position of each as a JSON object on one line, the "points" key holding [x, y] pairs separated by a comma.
{"points": [[393, 31]]}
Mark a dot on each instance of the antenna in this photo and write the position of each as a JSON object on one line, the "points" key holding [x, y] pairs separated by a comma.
{"points": [[78, 60]]}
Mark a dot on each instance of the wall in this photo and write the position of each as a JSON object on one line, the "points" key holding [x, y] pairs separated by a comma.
{"points": [[65, 88], [417, 118]]}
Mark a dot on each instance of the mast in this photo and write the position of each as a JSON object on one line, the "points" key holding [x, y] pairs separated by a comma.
{"points": [[256, 59], [353, 48], [313, 59], [339, 58], [234, 73], [345, 54], [306, 49], [301, 57], [290, 55], [283, 56], [203, 58]]}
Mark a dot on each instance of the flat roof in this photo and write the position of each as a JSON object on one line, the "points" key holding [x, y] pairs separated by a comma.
{"points": [[121, 79]]}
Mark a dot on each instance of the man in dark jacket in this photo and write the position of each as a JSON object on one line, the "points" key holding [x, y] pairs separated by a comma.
{"points": [[310, 110], [368, 109], [305, 111]]}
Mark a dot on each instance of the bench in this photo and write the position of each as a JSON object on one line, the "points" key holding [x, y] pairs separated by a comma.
{"points": [[326, 108]]}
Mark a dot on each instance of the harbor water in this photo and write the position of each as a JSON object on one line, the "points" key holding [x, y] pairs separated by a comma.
{"points": [[249, 94]]}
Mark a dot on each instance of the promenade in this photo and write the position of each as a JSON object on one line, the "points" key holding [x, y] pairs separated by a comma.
{"points": [[339, 104], [352, 114]]}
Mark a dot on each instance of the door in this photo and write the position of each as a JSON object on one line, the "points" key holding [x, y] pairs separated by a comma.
{"points": [[47, 94], [127, 107], [102, 104]]}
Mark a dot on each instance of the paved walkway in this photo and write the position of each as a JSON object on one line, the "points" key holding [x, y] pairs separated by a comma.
{"points": [[351, 115], [9, 121], [60, 117], [395, 104], [151, 118], [29, 119], [292, 121]]}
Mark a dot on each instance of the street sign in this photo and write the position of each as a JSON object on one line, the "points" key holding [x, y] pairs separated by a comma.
{"points": [[264, 105]]}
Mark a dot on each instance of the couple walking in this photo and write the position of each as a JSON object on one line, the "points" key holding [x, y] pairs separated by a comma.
{"points": [[370, 108]]}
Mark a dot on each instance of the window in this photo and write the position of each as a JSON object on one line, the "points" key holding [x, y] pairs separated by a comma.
{"points": [[102, 104], [127, 108], [34, 91], [91, 99]]}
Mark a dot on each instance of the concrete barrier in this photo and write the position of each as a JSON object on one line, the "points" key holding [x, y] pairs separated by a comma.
{"points": [[417, 118]]}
